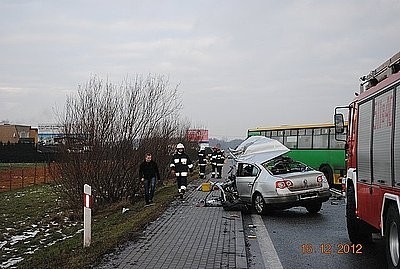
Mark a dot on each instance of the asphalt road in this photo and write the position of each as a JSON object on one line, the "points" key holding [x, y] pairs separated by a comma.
{"points": [[302, 240]]}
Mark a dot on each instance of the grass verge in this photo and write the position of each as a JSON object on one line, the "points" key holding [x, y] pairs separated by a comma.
{"points": [[36, 233]]}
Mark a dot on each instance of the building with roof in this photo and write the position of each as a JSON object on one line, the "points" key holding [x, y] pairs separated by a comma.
{"points": [[14, 134]]}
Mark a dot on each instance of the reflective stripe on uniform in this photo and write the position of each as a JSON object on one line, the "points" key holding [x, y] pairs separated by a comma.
{"points": [[172, 165], [177, 174], [176, 160], [183, 160], [190, 165], [184, 174]]}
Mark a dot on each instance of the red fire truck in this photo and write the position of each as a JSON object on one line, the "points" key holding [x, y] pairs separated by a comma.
{"points": [[372, 183]]}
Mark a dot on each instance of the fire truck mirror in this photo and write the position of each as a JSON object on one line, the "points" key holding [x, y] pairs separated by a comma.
{"points": [[339, 123]]}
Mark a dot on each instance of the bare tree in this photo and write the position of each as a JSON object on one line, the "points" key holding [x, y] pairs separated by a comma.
{"points": [[109, 128]]}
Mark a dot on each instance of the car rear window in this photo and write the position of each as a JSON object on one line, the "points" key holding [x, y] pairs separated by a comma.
{"points": [[284, 164]]}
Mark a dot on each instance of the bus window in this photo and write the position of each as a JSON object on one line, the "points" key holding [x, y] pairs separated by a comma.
{"points": [[320, 138], [290, 141], [268, 133], [333, 143], [252, 133], [278, 138], [304, 139], [277, 135]]}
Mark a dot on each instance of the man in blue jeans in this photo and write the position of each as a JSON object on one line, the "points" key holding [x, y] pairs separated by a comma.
{"points": [[148, 173]]}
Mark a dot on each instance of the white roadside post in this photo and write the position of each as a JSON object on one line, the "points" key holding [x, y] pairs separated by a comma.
{"points": [[87, 215]]}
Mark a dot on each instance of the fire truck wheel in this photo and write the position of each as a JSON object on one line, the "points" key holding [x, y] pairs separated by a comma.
{"points": [[314, 208], [392, 232], [358, 233]]}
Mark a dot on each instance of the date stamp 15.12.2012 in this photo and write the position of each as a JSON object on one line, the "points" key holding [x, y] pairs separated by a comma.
{"points": [[328, 249]]}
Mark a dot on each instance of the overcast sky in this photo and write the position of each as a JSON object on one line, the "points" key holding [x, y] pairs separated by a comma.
{"points": [[240, 64]]}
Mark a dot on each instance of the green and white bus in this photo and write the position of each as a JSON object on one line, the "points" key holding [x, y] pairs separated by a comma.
{"points": [[312, 144]]}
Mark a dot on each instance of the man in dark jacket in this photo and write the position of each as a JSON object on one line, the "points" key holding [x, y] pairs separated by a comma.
{"points": [[180, 166], [202, 161], [148, 173]]}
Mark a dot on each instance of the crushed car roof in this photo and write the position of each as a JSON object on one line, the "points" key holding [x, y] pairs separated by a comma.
{"points": [[258, 149]]}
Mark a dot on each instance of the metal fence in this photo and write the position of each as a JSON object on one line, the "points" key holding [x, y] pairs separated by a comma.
{"points": [[20, 175]]}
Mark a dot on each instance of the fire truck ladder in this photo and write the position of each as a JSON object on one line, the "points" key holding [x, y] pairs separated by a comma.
{"points": [[384, 71]]}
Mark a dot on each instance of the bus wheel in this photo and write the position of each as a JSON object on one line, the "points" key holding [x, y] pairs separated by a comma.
{"points": [[328, 174], [392, 233], [358, 233]]}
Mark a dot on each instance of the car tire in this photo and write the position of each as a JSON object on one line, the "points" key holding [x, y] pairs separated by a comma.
{"points": [[358, 233], [314, 208], [392, 232], [259, 204], [328, 174]]}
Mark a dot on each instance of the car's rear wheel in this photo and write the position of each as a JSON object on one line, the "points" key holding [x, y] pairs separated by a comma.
{"points": [[314, 208], [259, 204], [328, 174]]}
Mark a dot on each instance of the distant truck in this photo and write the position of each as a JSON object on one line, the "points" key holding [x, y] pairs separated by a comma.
{"points": [[372, 183]]}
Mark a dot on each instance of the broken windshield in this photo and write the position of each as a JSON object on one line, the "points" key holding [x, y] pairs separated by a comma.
{"points": [[284, 165]]}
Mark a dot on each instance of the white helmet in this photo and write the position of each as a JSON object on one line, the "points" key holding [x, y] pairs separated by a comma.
{"points": [[180, 146]]}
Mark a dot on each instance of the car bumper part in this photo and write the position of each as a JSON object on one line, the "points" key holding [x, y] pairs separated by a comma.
{"points": [[300, 199]]}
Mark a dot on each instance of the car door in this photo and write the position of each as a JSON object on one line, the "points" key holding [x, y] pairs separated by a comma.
{"points": [[245, 177]]}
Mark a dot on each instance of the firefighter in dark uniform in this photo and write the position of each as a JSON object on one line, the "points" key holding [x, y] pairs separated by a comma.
{"points": [[213, 161], [220, 159], [180, 166], [217, 162], [202, 162]]}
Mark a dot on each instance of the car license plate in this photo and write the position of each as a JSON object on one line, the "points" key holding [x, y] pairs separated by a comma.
{"points": [[308, 195]]}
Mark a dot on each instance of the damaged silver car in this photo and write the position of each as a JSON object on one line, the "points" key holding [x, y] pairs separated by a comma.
{"points": [[266, 179]]}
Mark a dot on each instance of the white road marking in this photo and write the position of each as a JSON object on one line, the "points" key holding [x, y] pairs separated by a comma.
{"points": [[268, 252]]}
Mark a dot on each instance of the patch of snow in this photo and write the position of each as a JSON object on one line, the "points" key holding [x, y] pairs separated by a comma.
{"points": [[16, 238], [11, 262], [2, 244]]}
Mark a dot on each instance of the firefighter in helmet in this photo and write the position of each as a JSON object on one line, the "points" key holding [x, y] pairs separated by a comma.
{"points": [[217, 161], [202, 161], [180, 166]]}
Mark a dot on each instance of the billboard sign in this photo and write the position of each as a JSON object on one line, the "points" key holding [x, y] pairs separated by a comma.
{"points": [[197, 135]]}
